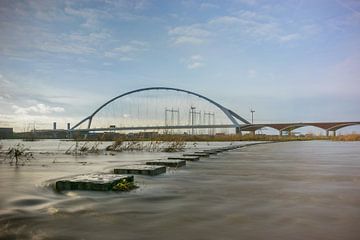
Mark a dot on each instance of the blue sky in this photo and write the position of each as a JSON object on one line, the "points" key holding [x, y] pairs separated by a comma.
{"points": [[289, 60]]}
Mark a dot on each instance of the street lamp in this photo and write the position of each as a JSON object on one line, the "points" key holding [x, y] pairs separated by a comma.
{"points": [[252, 116]]}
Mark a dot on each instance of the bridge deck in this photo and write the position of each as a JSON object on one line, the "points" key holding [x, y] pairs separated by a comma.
{"points": [[329, 126]]}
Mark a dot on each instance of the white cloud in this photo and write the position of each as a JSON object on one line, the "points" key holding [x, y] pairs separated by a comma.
{"points": [[192, 34], [253, 25], [3, 81], [249, 24], [208, 6], [139, 43], [37, 109], [194, 61], [127, 52], [192, 30], [194, 65], [249, 2], [289, 37], [252, 73], [126, 49], [187, 40], [90, 16], [240, 25], [26, 122], [225, 20]]}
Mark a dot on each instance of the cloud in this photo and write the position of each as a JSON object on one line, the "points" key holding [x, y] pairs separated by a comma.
{"points": [[252, 73], [239, 25], [194, 65], [195, 61], [31, 29], [289, 37], [37, 109], [187, 40], [90, 16], [247, 23], [206, 6], [127, 52], [248, 2], [26, 122], [192, 34]]}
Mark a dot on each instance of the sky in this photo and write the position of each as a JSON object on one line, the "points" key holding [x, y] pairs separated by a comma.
{"points": [[290, 61]]}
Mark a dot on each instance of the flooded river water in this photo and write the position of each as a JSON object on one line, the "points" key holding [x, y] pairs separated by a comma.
{"points": [[290, 190]]}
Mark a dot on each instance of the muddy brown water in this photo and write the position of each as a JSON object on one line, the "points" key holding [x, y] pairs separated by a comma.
{"points": [[293, 190]]}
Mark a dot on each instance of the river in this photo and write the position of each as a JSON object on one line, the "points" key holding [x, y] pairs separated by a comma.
{"points": [[289, 190]]}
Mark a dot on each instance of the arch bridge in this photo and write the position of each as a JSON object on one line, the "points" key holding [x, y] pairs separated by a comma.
{"points": [[236, 121]]}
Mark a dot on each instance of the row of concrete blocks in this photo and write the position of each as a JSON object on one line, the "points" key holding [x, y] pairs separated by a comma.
{"points": [[106, 181]]}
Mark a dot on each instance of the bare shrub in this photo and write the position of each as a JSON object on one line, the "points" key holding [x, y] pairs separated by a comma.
{"points": [[18, 154], [81, 149], [146, 146], [176, 146]]}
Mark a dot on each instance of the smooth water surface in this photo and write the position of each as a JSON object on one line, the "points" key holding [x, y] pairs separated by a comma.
{"points": [[292, 190]]}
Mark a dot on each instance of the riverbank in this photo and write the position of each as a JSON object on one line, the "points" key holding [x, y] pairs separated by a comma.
{"points": [[235, 137], [217, 138]]}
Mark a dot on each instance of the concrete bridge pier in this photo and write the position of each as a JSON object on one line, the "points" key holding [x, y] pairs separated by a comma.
{"points": [[328, 133], [238, 131]]}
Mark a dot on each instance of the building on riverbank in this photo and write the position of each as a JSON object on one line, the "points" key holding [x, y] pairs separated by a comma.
{"points": [[6, 133]]}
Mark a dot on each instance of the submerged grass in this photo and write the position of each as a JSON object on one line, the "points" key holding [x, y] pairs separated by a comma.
{"points": [[83, 148], [125, 185], [149, 146]]}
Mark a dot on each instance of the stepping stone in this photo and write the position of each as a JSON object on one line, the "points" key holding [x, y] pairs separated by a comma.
{"points": [[227, 149], [196, 154], [196, 158], [140, 169], [92, 182], [208, 152], [218, 150], [168, 163]]}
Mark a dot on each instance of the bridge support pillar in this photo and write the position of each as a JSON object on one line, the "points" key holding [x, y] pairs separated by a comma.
{"points": [[238, 131], [328, 133], [252, 133], [281, 133]]}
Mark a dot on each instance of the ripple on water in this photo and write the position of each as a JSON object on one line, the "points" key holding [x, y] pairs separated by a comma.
{"points": [[28, 201]]}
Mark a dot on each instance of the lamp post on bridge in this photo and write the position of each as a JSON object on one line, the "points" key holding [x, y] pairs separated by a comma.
{"points": [[252, 119], [252, 115]]}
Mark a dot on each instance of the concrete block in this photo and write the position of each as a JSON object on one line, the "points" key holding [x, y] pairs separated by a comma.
{"points": [[185, 158], [141, 170], [196, 155], [210, 152], [168, 163], [92, 182]]}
